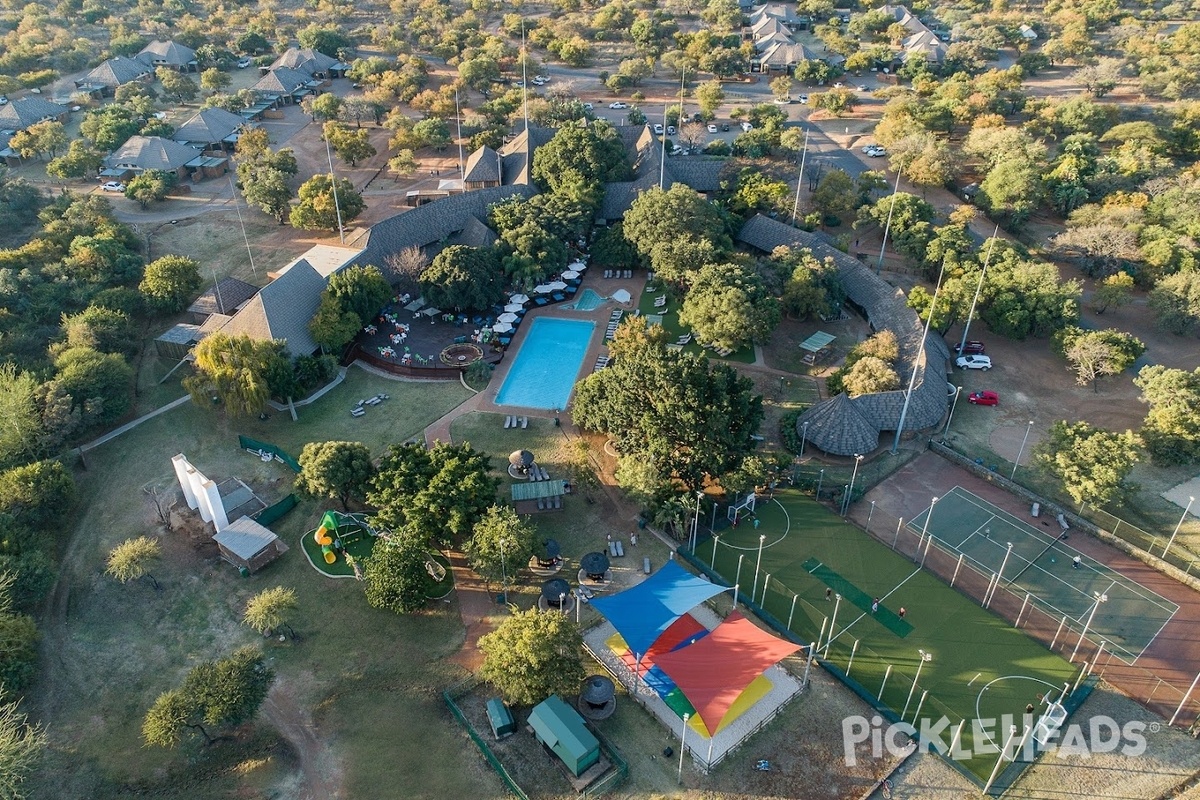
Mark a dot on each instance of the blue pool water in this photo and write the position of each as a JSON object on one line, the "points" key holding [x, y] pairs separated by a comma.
{"points": [[544, 372], [588, 301]]}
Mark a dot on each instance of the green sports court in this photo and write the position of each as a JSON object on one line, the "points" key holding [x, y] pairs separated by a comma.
{"points": [[979, 666]]}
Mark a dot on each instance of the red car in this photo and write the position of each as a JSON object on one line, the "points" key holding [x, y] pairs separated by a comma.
{"points": [[973, 348], [984, 398]]}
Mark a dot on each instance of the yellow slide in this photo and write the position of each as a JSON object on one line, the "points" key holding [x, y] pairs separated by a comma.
{"points": [[323, 538]]}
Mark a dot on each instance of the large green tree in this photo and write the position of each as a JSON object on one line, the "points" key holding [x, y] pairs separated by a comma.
{"points": [[132, 558], [319, 209], [1089, 463], [462, 277], [501, 543], [594, 153], [1023, 298], [1176, 303], [395, 578], [531, 656], [1172, 426], [728, 306], [677, 231], [360, 289], [97, 382], [687, 418], [1095, 353], [270, 609], [441, 492], [340, 470], [238, 371], [170, 282]]}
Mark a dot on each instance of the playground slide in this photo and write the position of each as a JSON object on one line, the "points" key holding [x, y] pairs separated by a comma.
{"points": [[324, 537], [330, 556]]}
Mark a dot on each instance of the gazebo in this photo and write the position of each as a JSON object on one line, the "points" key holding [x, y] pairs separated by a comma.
{"points": [[815, 345], [556, 594], [598, 697], [519, 463], [593, 567]]}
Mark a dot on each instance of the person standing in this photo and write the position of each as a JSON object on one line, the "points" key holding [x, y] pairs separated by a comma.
{"points": [[901, 612], [829, 595], [874, 605], [1075, 562]]}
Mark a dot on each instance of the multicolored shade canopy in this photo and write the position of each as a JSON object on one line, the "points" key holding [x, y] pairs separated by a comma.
{"points": [[640, 614]]}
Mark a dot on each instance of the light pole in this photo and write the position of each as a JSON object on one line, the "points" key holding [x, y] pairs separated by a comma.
{"points": [[1100, 598], [561, 596], [925, 527], [888, 227], [696, 522], [716, 541], [803, 436], [850, 492], [837, 603], [953, 405], [978, 288], [1012, 732], [503, 572], [1178, 525], [925, 657], [762, 538], [682, 743], [999, 575], [1021, 452]]}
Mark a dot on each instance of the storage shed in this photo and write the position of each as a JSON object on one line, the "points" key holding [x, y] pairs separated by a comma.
{"points": [[178, 341], [248, 545], [560, 728], [501, 719]]}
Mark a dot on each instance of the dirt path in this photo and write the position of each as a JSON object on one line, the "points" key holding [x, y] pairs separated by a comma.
{"points": [[322, 776], [476, 606]]}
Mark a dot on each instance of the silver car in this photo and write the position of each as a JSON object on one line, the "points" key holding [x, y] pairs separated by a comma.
{"points": [[974, 362]]}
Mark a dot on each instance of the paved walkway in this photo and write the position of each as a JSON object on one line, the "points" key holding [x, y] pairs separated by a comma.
{"points": [[83, 448]]}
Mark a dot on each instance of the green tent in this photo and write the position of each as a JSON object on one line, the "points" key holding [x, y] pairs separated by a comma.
{"points": [[559, 727]]}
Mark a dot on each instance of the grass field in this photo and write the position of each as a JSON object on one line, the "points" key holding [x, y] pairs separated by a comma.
{"points": [[670, 322], [981, 666]]}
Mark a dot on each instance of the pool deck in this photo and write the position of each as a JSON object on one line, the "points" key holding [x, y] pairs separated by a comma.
{"points": [[486, 400]]}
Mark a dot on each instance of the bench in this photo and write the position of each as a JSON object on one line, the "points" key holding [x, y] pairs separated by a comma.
{"points": [[1036, 510], [1062, 522]]}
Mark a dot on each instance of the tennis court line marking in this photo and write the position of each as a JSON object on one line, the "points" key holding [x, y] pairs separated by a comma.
{"points": [[860, 617]]}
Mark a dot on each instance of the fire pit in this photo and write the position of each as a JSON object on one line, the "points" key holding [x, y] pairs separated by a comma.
{"points": [[460, 355]]}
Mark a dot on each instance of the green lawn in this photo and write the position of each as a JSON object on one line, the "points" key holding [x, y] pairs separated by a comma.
{"points": [[670, 322], [109, 650], [972, 648]]}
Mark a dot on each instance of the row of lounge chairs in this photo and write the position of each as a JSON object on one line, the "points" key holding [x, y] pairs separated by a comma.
{"points": [[614, 320], [512, 421], [360, 408], [618, 273], [601, 363], [537, 473], [660, 302], [549, 503]]}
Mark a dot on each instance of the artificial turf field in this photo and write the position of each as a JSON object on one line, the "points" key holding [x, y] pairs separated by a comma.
{"points": [[981, 667]]}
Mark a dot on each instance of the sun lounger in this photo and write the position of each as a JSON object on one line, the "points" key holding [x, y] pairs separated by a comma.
{"points": [[357, 412], [545, 474], [608, 273], [541, 504], [1062, 522], [524, 422], [628, 273], [508, 422], [646, 565], [724, 351], [685, 339], [1036, 510], [620, 548], [557, 501], [612, 549]]}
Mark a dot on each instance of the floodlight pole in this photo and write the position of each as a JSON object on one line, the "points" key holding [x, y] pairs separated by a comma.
{"points": [[924, 658], [850, 492], [803, 437], [953, 405], [1100, 598], [683, 743], [458, 117], [333, 185], [978, 288], [888, 227], [1178, 525], [1021, 452], [912, 381], [762, 538], [999, 576], [796, 205]]}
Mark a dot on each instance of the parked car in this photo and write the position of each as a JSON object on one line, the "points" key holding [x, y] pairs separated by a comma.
{"points": [[542, 78], [972, 348], [974, 362], [862, 87], [588, 106], [725, 126], [803, 99], [3, 100], [113, 186], [747, 127], [712, 128], [658, 129], [244, 62], [670, 130], [984, 398], [618, 104]]}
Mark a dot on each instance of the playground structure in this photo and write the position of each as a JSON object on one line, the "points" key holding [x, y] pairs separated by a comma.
{"points": [[338, 531]]}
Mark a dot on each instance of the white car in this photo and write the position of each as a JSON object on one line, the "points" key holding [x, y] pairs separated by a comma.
{"points": [[747, 127], [542, 78], [658, 129], [670, 130], [113, 186], [618, 104], [803, 99], [974, 362], [862, 87], [3, 100], [712, 128], [244, 62]]}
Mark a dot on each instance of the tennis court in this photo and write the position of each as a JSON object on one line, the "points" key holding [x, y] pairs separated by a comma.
{"points": [[1042, 564], [830, 582]]}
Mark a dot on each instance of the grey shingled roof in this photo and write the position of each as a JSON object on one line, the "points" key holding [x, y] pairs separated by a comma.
{"points": [[245, 538], [26, 111], [475, 233], [518, 154], [116, 71], [306, 60], [151, 152], [281, 80], [483, 166], [233, 293], [168, 52], [831, 426], [782, 55], [209, 126], [701, 173], [282, 310], [432, 222]]}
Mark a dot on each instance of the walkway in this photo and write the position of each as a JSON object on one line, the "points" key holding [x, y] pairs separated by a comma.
{"points": [[83, 448]]}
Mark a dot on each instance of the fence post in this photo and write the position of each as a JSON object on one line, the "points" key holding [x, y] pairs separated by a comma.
{"points": [[921, 702], [956, 569], [886, 674], [1183, 702], [899, 525], [853, 650], [812, 648], [1099, 651], [1057, 632], [762, 603], [957, 738], [1020, 613], [1152, 691], [793, 611]]}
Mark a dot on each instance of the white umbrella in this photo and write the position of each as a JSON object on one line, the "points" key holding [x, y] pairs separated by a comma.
{"points": [[518, 298], [543, 289], [511, 307], [621, 296], [570, 274], [558, 285], [502, 327], [508, 317], [579, 265]]}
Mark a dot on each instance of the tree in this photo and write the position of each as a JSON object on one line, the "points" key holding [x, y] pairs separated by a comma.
{"points": [[463, 277], [431, 132], [440, 492], [329, 39], [681, 415], [1113, 292], [1025, 298], [269, 610], [263, 174], [109, 127], [318, 208], [677, 230], [268, 189], [80, 161], [360, 289], [1100, 78], [42, 137], [36, 494], [132, 558], [728, 306], [1172, 426], [870, 375], [395, 578], [837, 102], [531, 656], [252, 42], [594, 154], [710, 95], [500, 543], [20, 417], [403, 163], [214, 80], [811, 287], [176, 84], [1097, 352], [1176, 303], [170, 282], [781, 87], [100, 328], [340, 470], [1090, 463], [237, 371], [222, 693], [834, 197], [21, 746], [97, 382]]}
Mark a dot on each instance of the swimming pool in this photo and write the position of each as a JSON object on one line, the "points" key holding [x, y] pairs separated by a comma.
{"points": [[588, 300], [544, 372]]}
